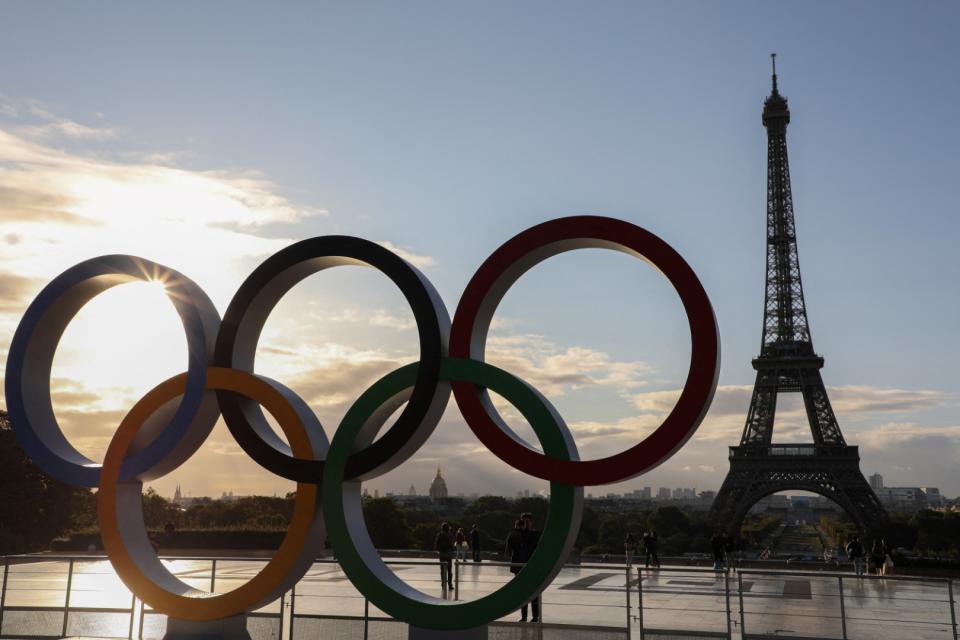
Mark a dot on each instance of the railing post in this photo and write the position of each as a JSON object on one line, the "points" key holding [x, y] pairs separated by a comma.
{"points": [[66, 603], [953, 612], [640, 601], [743, 616], [366, 618], [843, 611], [627, 590], [726, 592], [456, 579], [213, 574], [293, 609], [133, 611], [283, 604], [3, 590], [143, 614]]}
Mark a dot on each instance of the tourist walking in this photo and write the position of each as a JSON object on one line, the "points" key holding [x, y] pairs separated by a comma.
{"points": [[444, 546], [718, 545], [650, 544], [512, 548], [856, 553], [529, 538], [887, 558], [461, 544], [876, 558], [629, 546], [475, 543]]}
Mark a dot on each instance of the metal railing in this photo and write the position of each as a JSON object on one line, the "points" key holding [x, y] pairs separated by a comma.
{"points": [[54, 596]]}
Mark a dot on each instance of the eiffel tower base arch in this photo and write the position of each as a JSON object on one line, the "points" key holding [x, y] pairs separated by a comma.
{"points": [[830, 471]]}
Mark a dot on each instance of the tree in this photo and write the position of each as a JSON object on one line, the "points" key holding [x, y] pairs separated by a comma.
{"points": [[667, 521], [386, 523], [612, 534], [35, 507]]}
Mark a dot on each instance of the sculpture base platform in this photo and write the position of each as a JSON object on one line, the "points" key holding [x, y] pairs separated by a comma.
{"points": [[477, 633], [233, 628]]}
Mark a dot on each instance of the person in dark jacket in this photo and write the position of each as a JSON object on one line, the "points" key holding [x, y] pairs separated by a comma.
{"points": [[529, 538], [856, 553], [475, 543], [877, 557], [444, 546], [512, 550], [650, 544], [718, 546]]}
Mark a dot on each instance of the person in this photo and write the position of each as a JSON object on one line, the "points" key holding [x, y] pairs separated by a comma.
{"points": [[856, 553], [461, 544], [650, 548], [718, 546], [876, 557], [444, 546], [475, 543], [529, 538], [512, 548], [887, 558], [629, 546]]}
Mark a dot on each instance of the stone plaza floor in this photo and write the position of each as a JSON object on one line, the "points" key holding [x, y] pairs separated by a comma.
{"points": [[588, 601]]}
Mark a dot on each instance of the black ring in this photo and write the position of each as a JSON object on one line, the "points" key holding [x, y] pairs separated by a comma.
{"points": [[244, 320]]}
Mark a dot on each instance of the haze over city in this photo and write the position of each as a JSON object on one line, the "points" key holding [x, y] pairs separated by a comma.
{"points": [[129, 144]]}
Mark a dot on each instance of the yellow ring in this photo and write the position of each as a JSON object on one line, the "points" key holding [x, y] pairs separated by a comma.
{"points": [[128, 546]]}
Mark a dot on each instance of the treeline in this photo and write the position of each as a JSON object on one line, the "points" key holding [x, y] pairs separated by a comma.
{"points": [[35, 509]]}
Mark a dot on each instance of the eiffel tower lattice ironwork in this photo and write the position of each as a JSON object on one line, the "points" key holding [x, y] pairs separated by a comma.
{"points": [[788, 363]]}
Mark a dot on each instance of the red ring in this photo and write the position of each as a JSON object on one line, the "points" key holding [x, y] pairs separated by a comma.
{"points": [[497, 274]]}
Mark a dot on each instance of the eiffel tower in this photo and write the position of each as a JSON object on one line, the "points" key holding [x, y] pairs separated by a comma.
{"points": [[788, 363]]}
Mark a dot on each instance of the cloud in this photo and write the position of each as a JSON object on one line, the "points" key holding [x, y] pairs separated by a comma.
{"points": [[735, 400], [555, 370], [896, 433], [69, 129], [867, 399], [14, 289], [417, 260], [46, 124], [379, 318], [59, 207]]}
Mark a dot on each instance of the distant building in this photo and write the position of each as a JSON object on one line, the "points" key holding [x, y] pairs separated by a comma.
{"points": [[412, 491], [678, 493], [177, 496], [903, 498], [663, 493], [876, 482], [934, 499], [438, 488], [646, 493], [689, 494]]}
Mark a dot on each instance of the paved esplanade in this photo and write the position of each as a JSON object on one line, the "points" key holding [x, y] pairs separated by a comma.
{"points": [[673, 599]]}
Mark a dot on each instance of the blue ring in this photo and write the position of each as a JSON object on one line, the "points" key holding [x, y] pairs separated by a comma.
{"points": [[35, 343]]}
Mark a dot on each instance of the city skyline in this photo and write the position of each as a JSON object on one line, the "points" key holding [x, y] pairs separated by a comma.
{"points": [[654, 118]]}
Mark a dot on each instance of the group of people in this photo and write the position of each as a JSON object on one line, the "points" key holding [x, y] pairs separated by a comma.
{"points": [[521, 543], [879, 561], [450, 545], [649, 542], [721, 546]]}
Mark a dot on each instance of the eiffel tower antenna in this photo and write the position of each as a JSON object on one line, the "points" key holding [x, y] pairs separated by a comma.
{"points": [[788, 363], [773, 61]]}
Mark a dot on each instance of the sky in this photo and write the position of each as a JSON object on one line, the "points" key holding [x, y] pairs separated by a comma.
{"points": [[206, 137]]}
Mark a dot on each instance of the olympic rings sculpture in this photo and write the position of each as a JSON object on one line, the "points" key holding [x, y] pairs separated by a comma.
{"points": [[172, 421]]}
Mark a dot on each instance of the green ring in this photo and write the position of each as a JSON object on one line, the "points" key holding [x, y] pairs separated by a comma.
{"points": [[348, 534]]}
